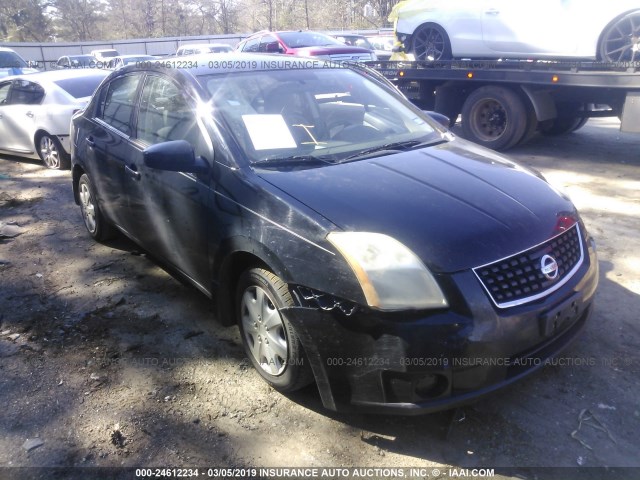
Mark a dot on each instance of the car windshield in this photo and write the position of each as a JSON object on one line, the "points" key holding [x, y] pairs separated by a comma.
{"points": [[80, 87], [315, 115], [11, 60], [307, 39]]}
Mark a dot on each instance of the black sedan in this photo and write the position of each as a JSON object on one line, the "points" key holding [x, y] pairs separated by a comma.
{"points": [[353, 240]]}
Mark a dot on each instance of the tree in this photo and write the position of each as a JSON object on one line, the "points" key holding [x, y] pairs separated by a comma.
{"points": [[24, 21], [79, 20]]}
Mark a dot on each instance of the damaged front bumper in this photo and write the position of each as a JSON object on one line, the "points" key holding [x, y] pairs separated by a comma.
{"points": [[414, 363]]}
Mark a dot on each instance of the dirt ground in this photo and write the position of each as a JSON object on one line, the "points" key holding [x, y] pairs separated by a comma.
{"points": [[108, 361]]}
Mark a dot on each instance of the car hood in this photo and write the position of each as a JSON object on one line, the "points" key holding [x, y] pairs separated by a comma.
{"points": [[456, 205]]}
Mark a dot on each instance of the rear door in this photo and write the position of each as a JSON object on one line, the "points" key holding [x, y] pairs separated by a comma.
{"points": [[108, 140], [17, 114]]}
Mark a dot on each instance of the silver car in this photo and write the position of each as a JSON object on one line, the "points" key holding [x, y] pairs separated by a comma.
{"points": [[36, 109]]}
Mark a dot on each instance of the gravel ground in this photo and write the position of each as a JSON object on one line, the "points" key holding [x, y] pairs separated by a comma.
{"points": [[107, 361]]}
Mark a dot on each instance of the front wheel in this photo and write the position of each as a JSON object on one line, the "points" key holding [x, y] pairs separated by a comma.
{"points": [[95, 222], [269, 340], [430, 43], [51, 152]]}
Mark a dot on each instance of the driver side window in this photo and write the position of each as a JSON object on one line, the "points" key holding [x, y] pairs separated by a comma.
{"points": [[117, 104], [165, 113]]}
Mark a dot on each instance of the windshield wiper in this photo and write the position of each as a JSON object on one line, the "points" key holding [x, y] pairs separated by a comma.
{"points": [[392, 148], [292, 160]]}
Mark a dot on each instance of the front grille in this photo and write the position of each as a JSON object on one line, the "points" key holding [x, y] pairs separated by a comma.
{"points": [[520, 278]]}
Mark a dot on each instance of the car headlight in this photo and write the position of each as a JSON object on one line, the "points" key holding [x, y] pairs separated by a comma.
{"points": [[392, 277]]}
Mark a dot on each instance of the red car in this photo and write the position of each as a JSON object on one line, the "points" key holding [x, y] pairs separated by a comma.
{"points": [[307, 44]]}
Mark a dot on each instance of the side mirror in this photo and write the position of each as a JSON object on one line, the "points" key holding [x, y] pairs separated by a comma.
{"points": [[440, 118], [174, 156]]}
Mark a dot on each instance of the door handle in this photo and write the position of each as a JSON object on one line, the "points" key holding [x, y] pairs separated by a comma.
{"points": [[90, 141], [29, 114], [135, 174], [492, 11]]}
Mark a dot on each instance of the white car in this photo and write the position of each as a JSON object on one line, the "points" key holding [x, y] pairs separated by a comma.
{"points": [[36, 110], [445, 29], [194, 49], [104, 55]]}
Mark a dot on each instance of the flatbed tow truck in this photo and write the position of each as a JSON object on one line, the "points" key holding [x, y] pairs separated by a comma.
{"points": [[502, 103]]}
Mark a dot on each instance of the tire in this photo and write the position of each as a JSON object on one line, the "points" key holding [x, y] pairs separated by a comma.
{"points": [[269, 340], [430, 43], [618, 40], [531, 128], [51, 152], [563, 125], [494, 117], [93, 218]]}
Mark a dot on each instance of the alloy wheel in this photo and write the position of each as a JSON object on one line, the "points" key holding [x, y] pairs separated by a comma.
{"points": [[49, 152], [88, 208], [621, 42], [264, 330]]}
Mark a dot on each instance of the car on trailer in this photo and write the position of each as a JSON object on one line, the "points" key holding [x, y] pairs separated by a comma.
{"points": [[443, 30]]}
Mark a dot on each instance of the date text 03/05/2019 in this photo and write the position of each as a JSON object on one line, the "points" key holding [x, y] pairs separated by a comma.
{"points": [[313, 472]]}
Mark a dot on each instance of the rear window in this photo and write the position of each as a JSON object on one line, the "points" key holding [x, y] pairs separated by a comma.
{"points": [[11, 60], [80, 87]]}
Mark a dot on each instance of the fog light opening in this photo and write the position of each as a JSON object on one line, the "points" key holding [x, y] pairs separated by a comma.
{"points": [[415, 388], [431, 386]]}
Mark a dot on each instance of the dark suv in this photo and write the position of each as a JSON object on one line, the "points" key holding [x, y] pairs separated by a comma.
{"points": [[306, 44]]}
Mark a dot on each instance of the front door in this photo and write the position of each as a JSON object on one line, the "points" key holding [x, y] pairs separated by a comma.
{"points": [[171, 209]]}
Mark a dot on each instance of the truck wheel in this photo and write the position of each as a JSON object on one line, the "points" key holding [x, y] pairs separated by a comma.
{"points": [[563, 125], [494, 117], [532, 126], [431, 42], [269, 340]]}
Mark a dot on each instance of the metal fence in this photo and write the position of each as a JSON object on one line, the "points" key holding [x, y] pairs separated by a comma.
{"points": [[46, 54]]}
